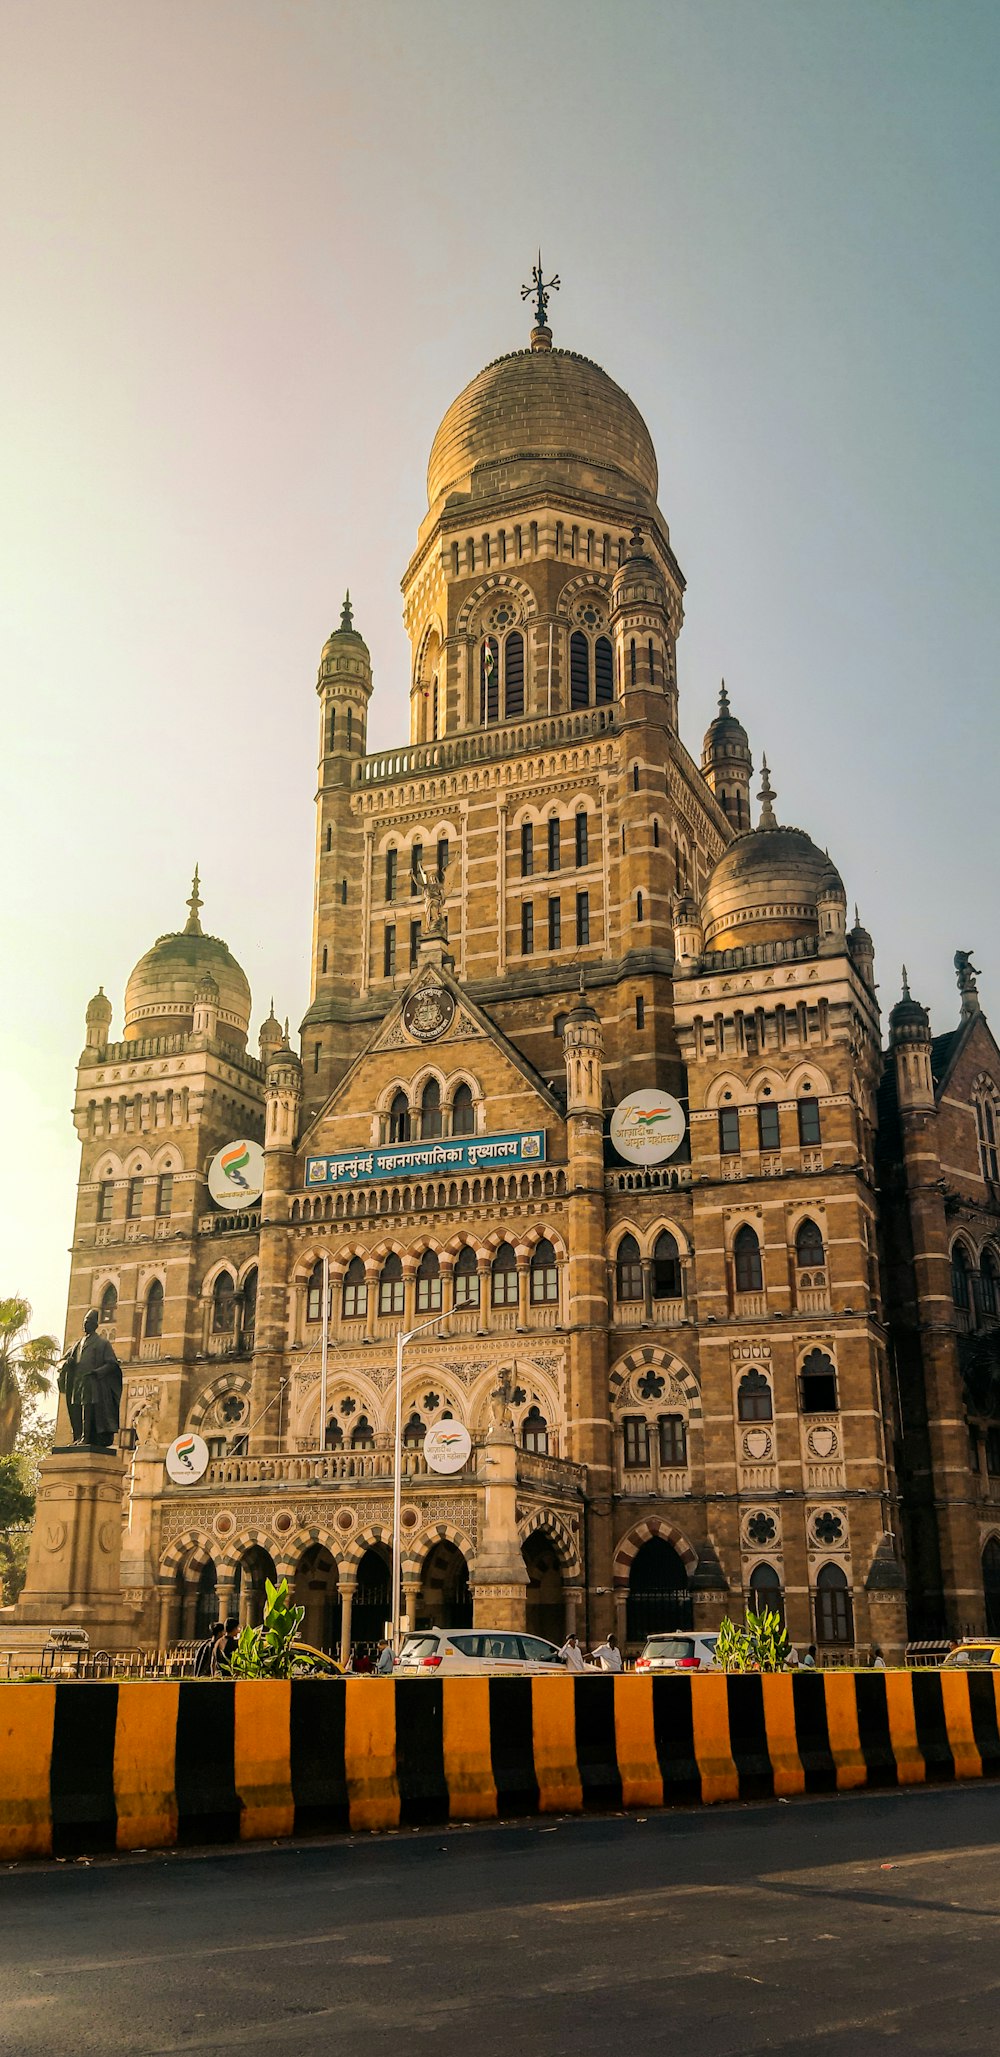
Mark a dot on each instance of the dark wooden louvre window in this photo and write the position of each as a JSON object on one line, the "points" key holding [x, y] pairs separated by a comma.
{"points": [[391, 862], [604, 672], [489, 688], [579, 670], [442, 856], [753, 1398], [154, 1309], [769, 1127], [513, 668], [632, 661], [652, 671], [809, 1130], [553, 835], [350, 727], [389, 953], [527, 929], [430, 1109], [581, 838], [729, 1131], [527, 849], [399, 1119], [640, 1011], [463, 1113], [414, 943], [583, 917], [416, 867], [666, 1268], [555, 924], [746, 1260]]}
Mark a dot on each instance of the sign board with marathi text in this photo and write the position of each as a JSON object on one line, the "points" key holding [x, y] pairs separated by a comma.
{"points": [[444, 1154], [648, 1127], [447, 1445]]}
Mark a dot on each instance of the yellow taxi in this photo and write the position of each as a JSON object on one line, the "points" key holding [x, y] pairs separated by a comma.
{"points": [[312, 1663], [978, 1652]]}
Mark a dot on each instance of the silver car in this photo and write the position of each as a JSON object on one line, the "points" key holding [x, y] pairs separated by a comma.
{"points": [[679, 1653], [475, 1653]]}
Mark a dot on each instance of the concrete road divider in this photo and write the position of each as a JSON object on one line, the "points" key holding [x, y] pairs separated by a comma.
{"points": [[86, 1768]]}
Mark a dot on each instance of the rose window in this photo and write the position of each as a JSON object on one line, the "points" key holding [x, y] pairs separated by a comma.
{"points": [[761, 1529], [828, 1528]]}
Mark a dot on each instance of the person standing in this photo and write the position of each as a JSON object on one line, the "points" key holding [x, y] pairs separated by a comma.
{"points": [[206, 1657], [878, 1661], [809, 1660], [384, 1665], [608, 1655], [571, 1654]]}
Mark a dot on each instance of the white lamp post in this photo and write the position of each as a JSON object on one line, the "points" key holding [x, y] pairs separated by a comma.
{"points": [[404, 1337]]}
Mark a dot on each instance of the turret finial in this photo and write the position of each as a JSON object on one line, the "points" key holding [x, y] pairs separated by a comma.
{"points": [[723, 699], [539, 291], [347, 612], [192, 926], [766, 796], [906, 985]]}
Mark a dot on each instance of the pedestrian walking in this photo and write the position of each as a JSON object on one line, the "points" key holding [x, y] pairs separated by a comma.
{"points": [[809, 1660], [206, 1655], [232, 1636], [608, 1655], [362, 1660], [385, 1660], [571, 1654], [878, 1661]]}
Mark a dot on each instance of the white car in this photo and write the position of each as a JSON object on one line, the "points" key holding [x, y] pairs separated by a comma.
{"points": [[679, 1653], [476, 1652]]}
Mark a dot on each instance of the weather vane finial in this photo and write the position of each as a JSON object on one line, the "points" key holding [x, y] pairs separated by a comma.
{"points": [[539, 291], [192, 926]]}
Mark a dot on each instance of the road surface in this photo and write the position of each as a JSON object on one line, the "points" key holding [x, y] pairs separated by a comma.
{"points": [[821, 1926]]}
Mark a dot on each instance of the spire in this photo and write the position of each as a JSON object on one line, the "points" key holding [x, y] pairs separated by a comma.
{"points": [[538, 291], [192, 926], [347, 612], [723, 699], [906, 985], [768, 818]]}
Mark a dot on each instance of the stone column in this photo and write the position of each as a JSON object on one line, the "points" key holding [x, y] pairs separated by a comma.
{"points": [[484, 1274], [411, 1595], [348, 1588], [501, 1573], [371, 1281], [522, 1290], [167, 1598], [572, 1596]]}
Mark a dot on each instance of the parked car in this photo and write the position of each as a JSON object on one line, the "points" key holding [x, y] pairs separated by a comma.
{"points": [[679, 1653], [475, 1652], [312, 1663], [979, 1652]]}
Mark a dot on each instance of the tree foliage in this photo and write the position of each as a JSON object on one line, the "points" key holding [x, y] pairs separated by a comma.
{"points": [[26, 1363], [269, 1651], [762, 1645]]}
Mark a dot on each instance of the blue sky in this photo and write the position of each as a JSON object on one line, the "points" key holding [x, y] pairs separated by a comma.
{"points": [[252, 251]]}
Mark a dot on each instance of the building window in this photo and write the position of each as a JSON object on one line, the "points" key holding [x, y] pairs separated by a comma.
{"points": [[354, 1294], [636, 1437], [553, 836], [504, 1290], [649, 656], [399, 1119], [466, 1278], [673, 1440], [555, 924], [343, 892], [527, 849], [810, 1254], [314, 1292], [324, 957], [415, 928], [640, 1011], [990, 1285], [582, 839], [638, 907], [753, 1398], [105, 1199], [604, 672], [765, 1591], [109, 1306], [746, 1261], [535, 1432], [656, 833], [987, 1138], [391, 873], [992, 1443], [834, 1622], [442, 856], [363, 1435], [350, 727], [414, 1432], [428, 1283], [416, 867], [579, 670], [635, 776], [513, 675], [463, 1111], [527, 928], [628, 1270], [632, 662], [133, 1207], [329, 839], [154, 1309], [389, 952], [390, 1285], [430, 1109], [317, 1053], [960, 1277], [583, 918], [768, 1126], [223, 1304], [818, 1384], [334, 1437], [544, 1275], [666, 1268], [489, 680], [729, 1131], [809, 1129]]}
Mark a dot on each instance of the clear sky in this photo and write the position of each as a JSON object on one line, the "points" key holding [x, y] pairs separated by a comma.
{"points": [[251, 250]]}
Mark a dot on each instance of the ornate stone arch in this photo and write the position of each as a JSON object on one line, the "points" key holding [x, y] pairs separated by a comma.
{"points": [[726, 1083], [215, 1271], [490, 589], [665, 1227], [365, 1540], [294, 1547], [248, 1539], [572, 593], [649, 1356], [803, 1074], [644, 1532], [546, 1522], [419, 1547], [194, 1547], [229, 1382]]}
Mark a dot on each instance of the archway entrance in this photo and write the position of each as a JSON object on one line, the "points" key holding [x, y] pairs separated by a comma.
{"points": [[445, 1600], [991, 1585], [545, 1600], [658, 1593], [206, 1609], [252, 1569], [371, 1602], [317, 1591]]}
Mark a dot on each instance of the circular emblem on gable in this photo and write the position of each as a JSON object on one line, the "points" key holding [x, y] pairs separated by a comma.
{"points": [[428, 1013]]}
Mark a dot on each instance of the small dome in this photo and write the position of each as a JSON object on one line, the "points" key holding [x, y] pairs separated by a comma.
{"points": [[345, 650], [545, 416], [160, 994], [99, 1008], [908, 1019], [766, 884], [725, 737]]}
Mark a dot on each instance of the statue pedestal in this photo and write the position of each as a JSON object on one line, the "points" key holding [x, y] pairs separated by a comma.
{"points": [[501, 1586], [74, 1560]]}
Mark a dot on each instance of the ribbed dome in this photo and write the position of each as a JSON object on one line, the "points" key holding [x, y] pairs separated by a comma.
{"points": [[765, 885], [160, 994], [543, 415]]}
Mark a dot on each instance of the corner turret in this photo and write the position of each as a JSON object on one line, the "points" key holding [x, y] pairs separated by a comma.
{"points": [[726, 763]]}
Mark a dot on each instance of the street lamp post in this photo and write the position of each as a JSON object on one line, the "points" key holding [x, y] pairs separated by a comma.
{"points": [[404, 1337]]}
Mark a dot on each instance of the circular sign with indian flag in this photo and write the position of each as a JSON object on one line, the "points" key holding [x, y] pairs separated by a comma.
{"points": [[447, 1445], [647, 1127], [187, 1460], [236, 1174]]}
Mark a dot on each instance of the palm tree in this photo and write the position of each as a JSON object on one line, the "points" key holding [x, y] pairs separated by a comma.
{"points": [[25, 1368]]}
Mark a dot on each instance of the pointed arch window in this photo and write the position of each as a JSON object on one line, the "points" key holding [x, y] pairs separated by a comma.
{"points": [[430, 1109], [414, 1432], [990, 1278], [248, 1311], [834, 1618], [535, 1432], [765, 1591], [579, 670], [354, 1293], [466, 1278], [753, 1398], [363, 1434], [463, 1111], [428, 1283], [504, 1277], [810, 1253], [108, 1310], [960, 1283], [390, 1285], [223, 1304], [747, 1266], [988, 1136], [399, 1119], [604, 672], [153, 1323], [628, 1270], [314, 1292], [818, 1384], [666, 1268], [544, 1274], [334, 1437]]}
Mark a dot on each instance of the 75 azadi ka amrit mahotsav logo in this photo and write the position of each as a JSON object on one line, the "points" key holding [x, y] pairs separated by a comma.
{"points": [[236, 1174], [648, 1127]]}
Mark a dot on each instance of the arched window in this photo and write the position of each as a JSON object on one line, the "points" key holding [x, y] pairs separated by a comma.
{"points": [[746, 1261], [363, 1435], [544, 1274], [818, 1384], [505, 1277], [990, 1285], [109, 1306], [463, 1111], [334, 1437], [991, 1585], [753, 1398], [390, 1285], [535, 1432], [428, 1283], [810, 1254], [223, 1304], [834, 1620], [248, 1316], [582, 839], [154, 1309], [414, 1432], [579, 670], [314, 1292], [765, 1591], [988, 1137], [399, 1119], [604, 672], [430, 1109], [666, 1268], [513, 675], [628, 1270], [960, 1277], [354, 1293], [466, 1278]]}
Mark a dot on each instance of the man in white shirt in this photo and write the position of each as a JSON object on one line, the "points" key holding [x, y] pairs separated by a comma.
{"points": [[571, 1654], [608, 1655]]}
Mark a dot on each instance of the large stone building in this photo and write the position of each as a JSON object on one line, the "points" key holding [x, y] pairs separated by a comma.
{"points": [[766, 1366]]}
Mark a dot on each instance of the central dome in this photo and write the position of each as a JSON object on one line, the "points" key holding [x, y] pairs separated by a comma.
{"points": [[543, 415]]}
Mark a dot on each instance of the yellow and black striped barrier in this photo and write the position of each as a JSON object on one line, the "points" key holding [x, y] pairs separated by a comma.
{"points": [[86, 1768]]}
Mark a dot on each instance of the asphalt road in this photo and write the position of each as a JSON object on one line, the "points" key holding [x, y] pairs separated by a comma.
{"points": [[823, 1926]]}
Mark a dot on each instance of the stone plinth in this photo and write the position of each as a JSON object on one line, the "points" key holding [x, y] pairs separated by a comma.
{"points": [[74, 1561]]}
